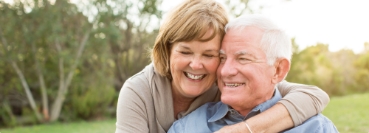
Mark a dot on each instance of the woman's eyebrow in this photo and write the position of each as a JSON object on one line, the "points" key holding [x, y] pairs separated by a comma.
{"points": [[184, 47], [211, 50]]}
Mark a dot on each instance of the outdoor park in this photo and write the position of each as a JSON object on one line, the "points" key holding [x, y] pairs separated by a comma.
{"points": [[63, 62]]}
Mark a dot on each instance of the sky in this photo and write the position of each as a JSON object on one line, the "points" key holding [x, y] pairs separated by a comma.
{"points": [[343, 24]]}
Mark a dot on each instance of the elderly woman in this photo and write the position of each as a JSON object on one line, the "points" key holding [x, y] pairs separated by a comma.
{"points": [[182, 77]]}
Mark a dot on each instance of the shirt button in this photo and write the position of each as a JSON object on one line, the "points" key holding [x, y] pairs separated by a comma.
{"points": [[232, 112]]}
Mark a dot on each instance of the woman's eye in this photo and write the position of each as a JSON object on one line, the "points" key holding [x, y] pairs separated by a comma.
{"points": [[186, 53]]}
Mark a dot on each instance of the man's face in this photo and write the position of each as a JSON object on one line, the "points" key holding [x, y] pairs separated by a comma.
{"points": [[244, 77]]}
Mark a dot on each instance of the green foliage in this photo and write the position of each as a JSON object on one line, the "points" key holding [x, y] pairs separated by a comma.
{"points": [[44, 38], [362, 73], [338, 73], [90, 101], [151, 7], [7, 115], [29, 118]]}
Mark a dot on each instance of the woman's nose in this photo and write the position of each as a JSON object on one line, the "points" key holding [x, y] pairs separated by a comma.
{"points": [[196, 63]]}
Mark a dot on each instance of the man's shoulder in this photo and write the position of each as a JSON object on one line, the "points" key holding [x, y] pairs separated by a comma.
{"points": [[316, 124]]}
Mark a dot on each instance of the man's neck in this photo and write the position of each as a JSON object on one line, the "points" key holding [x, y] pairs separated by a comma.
{"points": [[244, 111]]}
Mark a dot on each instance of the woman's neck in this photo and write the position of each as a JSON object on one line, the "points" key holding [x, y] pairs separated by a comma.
{"points": [[180, 102]]}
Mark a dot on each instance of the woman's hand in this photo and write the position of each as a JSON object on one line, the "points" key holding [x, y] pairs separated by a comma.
{"points": [[264, 122]]}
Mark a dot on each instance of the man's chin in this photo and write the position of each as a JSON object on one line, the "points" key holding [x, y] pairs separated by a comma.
{"points": [[228, 100]]}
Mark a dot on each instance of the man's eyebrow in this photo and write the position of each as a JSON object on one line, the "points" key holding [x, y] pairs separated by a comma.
{"points": [[239, 53], [243, 52]]}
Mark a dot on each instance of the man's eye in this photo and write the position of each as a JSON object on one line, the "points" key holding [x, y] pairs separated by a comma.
{"points": [[245, 60]]}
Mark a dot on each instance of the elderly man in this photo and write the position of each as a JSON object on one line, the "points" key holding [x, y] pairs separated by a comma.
{"points": [[255, 56]]}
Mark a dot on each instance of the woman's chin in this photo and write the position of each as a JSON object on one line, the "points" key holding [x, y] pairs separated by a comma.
{"points": [[193, 93]]}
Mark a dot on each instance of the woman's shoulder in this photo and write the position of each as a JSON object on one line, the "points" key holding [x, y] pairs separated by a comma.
{"points": [[147, 71], [141, 78], [145, 80]]}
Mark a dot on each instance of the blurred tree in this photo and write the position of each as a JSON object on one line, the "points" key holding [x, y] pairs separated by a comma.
{"points": [[366, 47], [362, 73], [332, 71], [15, 51], [70, 54], [311, 66], [129, 29], [51, 30], [342, 62], [238, 7]]}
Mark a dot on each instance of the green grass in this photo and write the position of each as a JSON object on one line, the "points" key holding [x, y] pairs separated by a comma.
{"points": [[350, 113], [106, 126]]}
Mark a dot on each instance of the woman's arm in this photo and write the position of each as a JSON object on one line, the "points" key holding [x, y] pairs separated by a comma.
{"points": [[130, 111], [302, 101], [299, 103], [264, 122]]}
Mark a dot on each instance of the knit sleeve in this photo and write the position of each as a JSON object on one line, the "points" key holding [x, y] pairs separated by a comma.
{"points": [[131, 112], [302, 101]]}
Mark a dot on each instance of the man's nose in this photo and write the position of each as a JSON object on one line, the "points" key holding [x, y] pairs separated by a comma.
{"points": [[228, 68]]}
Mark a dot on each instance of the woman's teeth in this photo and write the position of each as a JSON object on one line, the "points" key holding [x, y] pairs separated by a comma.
{"points": [[234, 85], [195, 77]]}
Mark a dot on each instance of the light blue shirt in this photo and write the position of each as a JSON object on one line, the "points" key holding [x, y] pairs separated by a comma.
{"points": [[211, 117]]}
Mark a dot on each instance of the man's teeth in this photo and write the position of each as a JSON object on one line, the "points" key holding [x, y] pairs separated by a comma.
{"points": [[195, 77], [234, 85]]}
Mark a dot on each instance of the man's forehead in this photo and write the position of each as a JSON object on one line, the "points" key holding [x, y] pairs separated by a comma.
{"points": [[240, 52]]}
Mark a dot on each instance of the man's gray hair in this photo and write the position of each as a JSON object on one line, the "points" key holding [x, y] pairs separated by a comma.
{"points": [[275, 42]]}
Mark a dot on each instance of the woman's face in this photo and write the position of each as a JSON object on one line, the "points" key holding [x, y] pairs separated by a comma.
{"points": [[193, 66]]}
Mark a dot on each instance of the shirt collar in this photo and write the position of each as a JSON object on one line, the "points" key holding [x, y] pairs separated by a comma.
{"points": [[223, 109]]}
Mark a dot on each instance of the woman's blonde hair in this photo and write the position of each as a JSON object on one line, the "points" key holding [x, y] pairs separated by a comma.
{"points": [[188, 21]]}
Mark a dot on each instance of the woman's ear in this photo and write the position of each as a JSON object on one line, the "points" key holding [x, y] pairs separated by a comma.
{"points": [[282, 67]]}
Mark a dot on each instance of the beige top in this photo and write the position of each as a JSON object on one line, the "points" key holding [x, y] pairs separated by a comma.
{"points": [[145, 102]]}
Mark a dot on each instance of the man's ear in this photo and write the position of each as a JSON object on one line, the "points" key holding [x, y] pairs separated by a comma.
{"points": [[282, 67]]}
